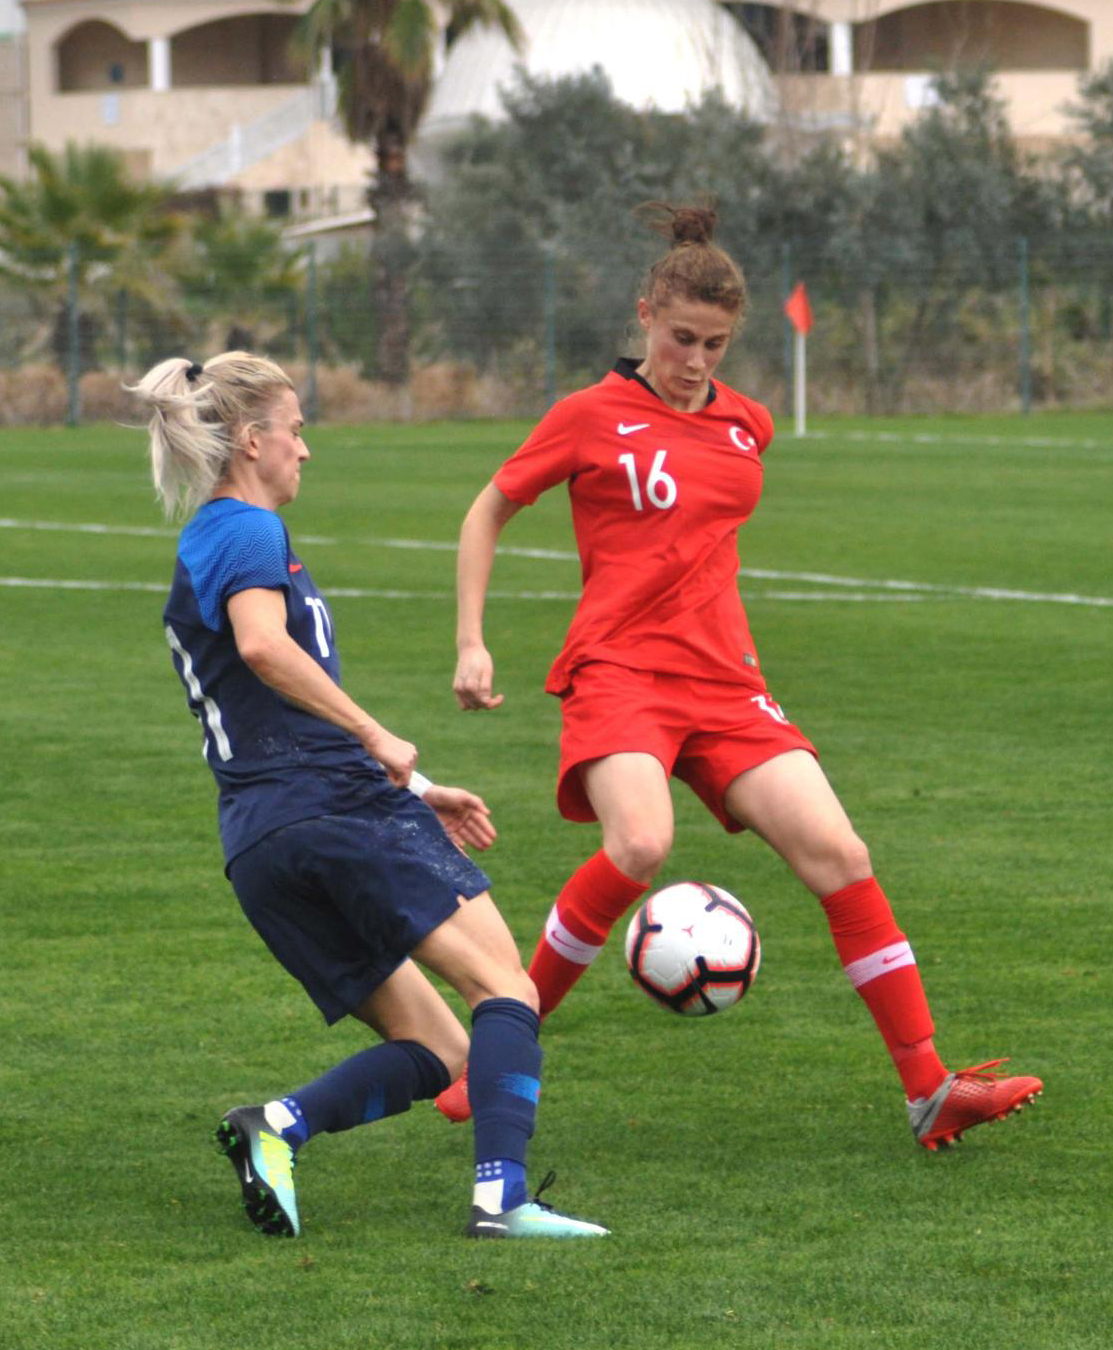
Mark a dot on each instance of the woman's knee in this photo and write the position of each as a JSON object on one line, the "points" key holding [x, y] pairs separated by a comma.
{"points": [[639, 853], [841, 861], [854, 859], [506, 982]]}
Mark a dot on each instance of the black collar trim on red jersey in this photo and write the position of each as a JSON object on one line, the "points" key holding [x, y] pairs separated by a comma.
{"points": [[628, 369]]}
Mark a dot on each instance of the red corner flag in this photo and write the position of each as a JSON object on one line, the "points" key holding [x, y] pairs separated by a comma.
{"points": [[798, 311]]}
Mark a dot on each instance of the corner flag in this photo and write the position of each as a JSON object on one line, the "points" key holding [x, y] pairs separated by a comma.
{"points": [[798, 311], [799, 314]]}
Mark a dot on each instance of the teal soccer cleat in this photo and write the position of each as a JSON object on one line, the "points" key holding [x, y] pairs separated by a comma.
{"points": [[531, 1220], [264, 1163]]}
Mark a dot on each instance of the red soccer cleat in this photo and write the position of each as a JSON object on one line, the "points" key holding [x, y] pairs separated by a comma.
{"points": [[967, 1098], [453, 1101]]}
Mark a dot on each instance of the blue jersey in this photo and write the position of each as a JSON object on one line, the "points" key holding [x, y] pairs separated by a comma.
{"points": [[274, 763]]}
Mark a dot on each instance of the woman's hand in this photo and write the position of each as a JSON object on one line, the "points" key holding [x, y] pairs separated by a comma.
{"points": [[398, 757], [479, 536], [473, 679], [465, 816]]}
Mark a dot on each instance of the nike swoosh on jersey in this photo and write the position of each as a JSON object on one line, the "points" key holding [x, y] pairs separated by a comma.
{"points": [[625, 429], [296, 567]]}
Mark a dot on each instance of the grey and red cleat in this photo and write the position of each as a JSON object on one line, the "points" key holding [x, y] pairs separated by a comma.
{"points": [[453, 1101], [967, 1098]]}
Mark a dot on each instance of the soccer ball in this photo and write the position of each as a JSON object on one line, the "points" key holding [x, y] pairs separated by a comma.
{"points": [[693, 947]]}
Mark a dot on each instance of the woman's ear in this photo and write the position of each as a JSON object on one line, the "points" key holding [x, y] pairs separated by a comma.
{"points": [[645, 314], [248, 440]]}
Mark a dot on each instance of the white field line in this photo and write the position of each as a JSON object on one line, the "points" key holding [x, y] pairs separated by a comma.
{"points": [[345, 592], [360, 593], [958, 438], [844, 588], [68, 527]]}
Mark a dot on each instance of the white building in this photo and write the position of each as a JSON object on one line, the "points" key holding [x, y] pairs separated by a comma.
{"points": [[663, 54]]}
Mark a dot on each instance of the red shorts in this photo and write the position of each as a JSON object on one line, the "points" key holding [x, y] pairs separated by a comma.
{"points": [[704, 732]]}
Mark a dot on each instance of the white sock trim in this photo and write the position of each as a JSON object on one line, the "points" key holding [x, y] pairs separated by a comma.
{"points": [[882, 962], [279, 1116], [487, 1196], [566, 944]]}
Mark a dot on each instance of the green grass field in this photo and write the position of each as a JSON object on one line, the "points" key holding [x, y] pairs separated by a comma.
{"points": [[934, 604]]}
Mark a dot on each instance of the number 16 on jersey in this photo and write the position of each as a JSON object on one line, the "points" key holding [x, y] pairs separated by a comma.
{"points": [[660, 486]]}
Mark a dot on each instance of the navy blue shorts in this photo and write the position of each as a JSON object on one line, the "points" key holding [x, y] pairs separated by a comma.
{"points": [[341, 901]]}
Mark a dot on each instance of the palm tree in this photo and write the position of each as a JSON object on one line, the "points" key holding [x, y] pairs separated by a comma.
{"points": [[80, 211], [383, 54], [238, 273]]}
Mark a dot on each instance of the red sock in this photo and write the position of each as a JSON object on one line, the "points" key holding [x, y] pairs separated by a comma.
{"points": [[879, 963], [593, 899]]}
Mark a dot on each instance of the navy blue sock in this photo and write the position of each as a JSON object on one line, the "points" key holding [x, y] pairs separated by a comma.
{"points": [[381, 1081], [504, 1083]]}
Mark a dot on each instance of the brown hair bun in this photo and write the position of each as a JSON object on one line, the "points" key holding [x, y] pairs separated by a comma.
{"points": [[694, 268]]}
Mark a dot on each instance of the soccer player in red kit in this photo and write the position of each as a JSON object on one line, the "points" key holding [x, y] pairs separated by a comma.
{"points": [[660, 677]]}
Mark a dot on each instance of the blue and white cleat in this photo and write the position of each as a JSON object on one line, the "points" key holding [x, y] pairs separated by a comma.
{"points": [[264, 1163], [534, 1219]]}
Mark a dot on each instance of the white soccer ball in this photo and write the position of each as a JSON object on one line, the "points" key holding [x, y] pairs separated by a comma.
{"points": [[693, 948]]}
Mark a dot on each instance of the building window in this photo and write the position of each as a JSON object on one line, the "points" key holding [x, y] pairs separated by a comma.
{"points": [[247, 49], [97, 55], [277, 202], [1002, 34], [790, 40]]}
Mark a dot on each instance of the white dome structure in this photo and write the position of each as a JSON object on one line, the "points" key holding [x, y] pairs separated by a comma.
{"points": [[658, 54]]}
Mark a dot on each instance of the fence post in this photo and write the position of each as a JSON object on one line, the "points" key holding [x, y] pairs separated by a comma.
{"points": [[786, 289], [312, 407], [1025, 329], [73, 340], [548, 307], [121, 328]]}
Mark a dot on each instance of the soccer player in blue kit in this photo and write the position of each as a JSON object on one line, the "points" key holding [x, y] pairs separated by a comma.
{"points": [[346, 861]]}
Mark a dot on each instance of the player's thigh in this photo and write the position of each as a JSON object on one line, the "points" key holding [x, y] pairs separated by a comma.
{"points": [[630, 794], [788, 801], [406, 1007], [475, 952], [612, 710]]}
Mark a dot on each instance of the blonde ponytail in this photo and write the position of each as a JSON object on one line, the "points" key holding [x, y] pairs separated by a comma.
{"points": [[198, 414]]}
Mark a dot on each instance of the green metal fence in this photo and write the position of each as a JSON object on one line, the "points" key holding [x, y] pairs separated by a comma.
{"points": [[507, 335]]}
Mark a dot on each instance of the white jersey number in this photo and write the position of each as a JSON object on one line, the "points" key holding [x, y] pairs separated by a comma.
{"points": [[774, 710], [207, 710], [322, 624], [660, 487]]}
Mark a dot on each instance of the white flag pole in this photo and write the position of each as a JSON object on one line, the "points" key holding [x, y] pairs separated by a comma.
{"points": [[800, 371]]}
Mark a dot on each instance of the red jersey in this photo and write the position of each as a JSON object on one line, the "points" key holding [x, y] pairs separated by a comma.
{"points": [[657, 498]]}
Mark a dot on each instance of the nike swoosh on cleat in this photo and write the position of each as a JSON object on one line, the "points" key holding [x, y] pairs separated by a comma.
{"points": [[502, 1228], [625, 430], [247, 1173]]}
